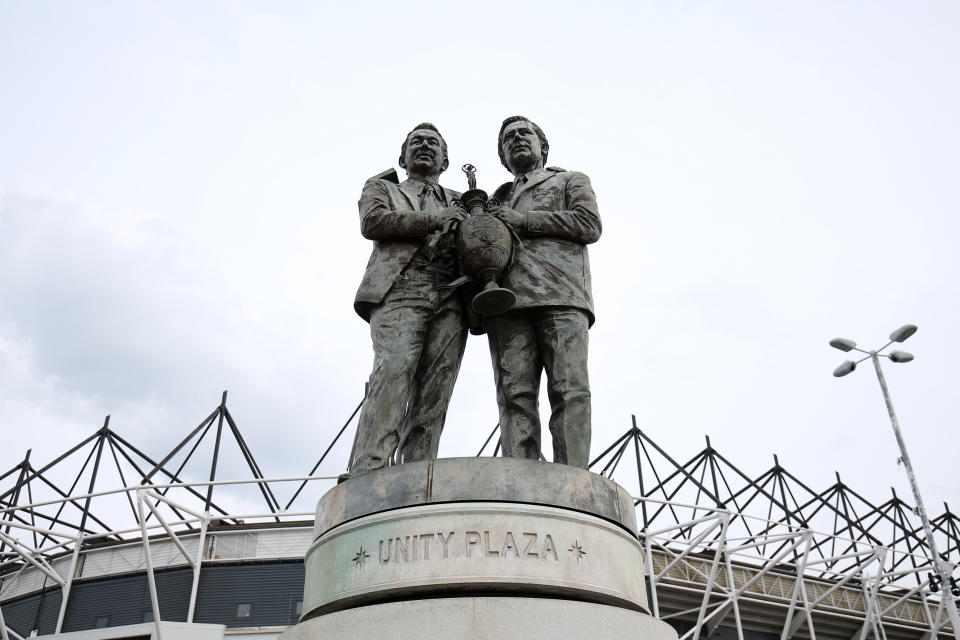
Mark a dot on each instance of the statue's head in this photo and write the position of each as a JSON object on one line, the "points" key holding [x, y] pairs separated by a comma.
{"points": [[522, 145], [424, 151]]}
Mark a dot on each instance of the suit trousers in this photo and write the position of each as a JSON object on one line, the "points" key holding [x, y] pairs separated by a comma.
{"points": [[419, 333], [523, 344]]}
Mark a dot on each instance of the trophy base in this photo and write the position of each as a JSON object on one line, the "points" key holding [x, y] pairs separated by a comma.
{"points": [[493, 300]]}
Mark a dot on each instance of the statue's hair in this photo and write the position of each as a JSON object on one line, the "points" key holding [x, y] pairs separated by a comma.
{"points": [[423, 125], [544, 145]]}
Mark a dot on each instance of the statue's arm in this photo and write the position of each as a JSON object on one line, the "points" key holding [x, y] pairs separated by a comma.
{"points": [[378, 221], [579, 221]]}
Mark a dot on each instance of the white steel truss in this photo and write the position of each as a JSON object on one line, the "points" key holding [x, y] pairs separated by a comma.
{"points": [[723, 550], [712, 567]]}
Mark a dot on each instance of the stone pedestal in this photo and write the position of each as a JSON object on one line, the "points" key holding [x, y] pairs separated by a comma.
{"points": [[476, 548]]}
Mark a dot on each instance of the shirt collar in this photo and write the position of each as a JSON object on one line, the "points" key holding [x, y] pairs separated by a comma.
{"points": [[423, 187], [521, 180]]}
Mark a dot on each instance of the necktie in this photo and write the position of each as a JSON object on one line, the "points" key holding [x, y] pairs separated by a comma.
{"points": [[518, 183], [429, 201]]}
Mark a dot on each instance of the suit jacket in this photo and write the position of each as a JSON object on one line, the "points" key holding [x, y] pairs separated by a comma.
{"points": [[390, 216], [553, 267]]}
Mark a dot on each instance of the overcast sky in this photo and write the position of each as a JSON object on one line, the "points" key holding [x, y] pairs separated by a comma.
{"points": [[178, 216]]}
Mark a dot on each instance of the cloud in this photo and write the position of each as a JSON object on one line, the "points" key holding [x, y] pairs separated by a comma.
{"points": [[97, 321], [100, 315]]}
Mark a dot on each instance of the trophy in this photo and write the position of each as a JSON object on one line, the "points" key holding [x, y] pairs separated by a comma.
{"points": [[484, 248]]}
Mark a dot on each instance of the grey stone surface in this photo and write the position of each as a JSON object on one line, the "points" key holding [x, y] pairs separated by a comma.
{"points": [[474, 547], [475, 618], [176, 630], [476, 479]]}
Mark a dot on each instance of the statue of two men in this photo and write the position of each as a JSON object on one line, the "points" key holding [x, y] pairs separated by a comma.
{"points": [[419, 324]]}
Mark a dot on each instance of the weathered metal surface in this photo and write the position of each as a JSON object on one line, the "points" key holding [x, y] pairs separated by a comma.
{"points": [[522, 344], [484, 249], [417, 324], [474, 547], [473, 479], [555, 213]]}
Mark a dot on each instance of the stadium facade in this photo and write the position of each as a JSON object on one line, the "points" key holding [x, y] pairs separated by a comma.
{"points": [[728, 555]]}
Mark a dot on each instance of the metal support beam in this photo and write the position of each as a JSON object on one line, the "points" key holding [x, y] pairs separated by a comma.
{"points": [[714, 566], [204, 523], [216, 451], [65, 589], [93, 474], [691, 546], [330, 446], [734, 603], [3, 627], [148, 559], [27, 554], [871, 588], [788, 629], [652, 574], [173, 536]]}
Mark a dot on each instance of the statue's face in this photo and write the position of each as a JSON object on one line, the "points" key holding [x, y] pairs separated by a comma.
{"points": [[424, 153], [521, 146]]}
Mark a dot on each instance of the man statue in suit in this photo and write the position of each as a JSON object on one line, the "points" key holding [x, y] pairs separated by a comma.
{"points": [[417, 323], [555, 213]]}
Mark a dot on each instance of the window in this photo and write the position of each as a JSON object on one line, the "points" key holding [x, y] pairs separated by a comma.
{"points": [[102, 622], [244, 609]]}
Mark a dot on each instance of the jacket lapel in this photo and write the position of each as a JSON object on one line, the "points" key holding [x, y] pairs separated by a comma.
{"points": [[538, 179], [410, 191]]}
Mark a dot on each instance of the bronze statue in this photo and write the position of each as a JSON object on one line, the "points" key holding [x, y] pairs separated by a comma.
{"points": [[417, 322], [555, 213]]}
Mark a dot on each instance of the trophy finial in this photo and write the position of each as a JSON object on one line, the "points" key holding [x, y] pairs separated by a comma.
{"points": [[471, 172]]}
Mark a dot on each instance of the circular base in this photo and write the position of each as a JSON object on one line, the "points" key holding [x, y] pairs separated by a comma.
{"points": [[491, 302], [466, 527], [504, 618], [481, 548]]}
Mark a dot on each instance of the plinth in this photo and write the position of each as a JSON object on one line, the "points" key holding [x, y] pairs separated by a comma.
{"points": [[476, 548]]}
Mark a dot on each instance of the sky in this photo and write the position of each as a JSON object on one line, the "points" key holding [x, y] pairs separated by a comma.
{"points": [[178, 187]]}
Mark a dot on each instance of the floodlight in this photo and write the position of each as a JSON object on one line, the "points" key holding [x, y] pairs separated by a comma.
{"points": [[941, 574], [844, 369], [903, 332], [900, 356], [843, 344]]}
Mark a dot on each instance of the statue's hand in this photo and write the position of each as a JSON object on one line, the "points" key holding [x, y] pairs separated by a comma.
{"points": [[513, 218], [448, 217]]}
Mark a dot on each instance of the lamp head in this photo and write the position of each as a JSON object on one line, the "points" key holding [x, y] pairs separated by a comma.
{"points": [[843, 344], [900, 356], [844, 369], [903, 332]]}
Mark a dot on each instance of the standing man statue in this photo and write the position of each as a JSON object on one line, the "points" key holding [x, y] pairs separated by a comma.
{"points": [[417, 324], [555, 213]]}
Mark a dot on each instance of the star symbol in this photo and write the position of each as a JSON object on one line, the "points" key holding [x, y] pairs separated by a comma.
{"points": [[361, 558], [577, 549]]}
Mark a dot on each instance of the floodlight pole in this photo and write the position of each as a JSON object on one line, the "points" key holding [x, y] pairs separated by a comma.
{"points": [[938, 563]]}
